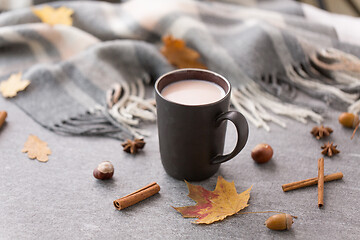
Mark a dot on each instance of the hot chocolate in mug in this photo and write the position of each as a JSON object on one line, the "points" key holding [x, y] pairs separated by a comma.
{"points": [[192, 111]]}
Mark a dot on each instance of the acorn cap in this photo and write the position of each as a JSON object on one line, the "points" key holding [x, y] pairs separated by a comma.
{"points": [[289, 221]]}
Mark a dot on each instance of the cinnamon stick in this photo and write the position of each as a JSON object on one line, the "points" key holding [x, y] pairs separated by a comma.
{"points": [[321, 182], [311, 181], [3, 116], [137, 196]]}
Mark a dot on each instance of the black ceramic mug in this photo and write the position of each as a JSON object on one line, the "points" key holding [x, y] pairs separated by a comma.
{"points": [[192, 137]]}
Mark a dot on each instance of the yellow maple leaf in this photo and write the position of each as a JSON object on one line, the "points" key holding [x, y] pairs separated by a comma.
{"points": [[52, 16], [36, 149], [214, 205], [10, 87], [179, 55]]}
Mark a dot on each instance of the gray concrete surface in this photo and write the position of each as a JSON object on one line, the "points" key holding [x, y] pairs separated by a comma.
{"points": [[60, 199]]}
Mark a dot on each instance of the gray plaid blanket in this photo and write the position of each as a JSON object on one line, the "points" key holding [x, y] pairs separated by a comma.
{"points": [[88, 79]]}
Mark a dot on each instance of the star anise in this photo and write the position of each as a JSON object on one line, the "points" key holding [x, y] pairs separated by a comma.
{"points": [[329, 149], [133, 146], [321, 131]]}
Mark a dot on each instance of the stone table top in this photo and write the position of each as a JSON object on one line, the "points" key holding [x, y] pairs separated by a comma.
{"points": [[61, 199]]}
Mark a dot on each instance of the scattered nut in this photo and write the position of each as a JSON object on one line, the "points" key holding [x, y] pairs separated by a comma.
{"points": [[279, 222], [104, 170], [349, 120], [262, 153]]}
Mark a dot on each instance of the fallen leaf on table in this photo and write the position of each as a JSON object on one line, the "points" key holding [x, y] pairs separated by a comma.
{"points": [[179, 55], [36, 149], [52, 16], [10, 87], [214, 205]]}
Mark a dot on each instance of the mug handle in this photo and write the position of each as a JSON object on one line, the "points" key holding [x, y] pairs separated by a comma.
{"points": [[242, 129]]}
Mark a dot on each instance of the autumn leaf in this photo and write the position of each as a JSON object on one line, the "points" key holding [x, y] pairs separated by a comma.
{"points": [[179, 55], [214, 205], [10, 87], [53, 16], [36, 149]]}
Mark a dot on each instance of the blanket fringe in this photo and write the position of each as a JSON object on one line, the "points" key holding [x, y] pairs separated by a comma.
{"points": [[255, 104], [334, 76], [331, 60], [120, 119], [331, 75], [126, 104], [91, 123], [313, 87], [342, 67]]}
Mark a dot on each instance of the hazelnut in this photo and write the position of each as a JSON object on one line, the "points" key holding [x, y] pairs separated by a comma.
{"points": [[279, 222], [262, 153], [104, 170]]}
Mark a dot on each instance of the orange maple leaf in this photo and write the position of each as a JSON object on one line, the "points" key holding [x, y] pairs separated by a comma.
{"points": [[36, 149], [52, 16], [179, 55], [214, 205]]}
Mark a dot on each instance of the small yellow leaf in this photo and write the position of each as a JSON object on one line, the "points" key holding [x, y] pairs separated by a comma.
{"points": [[53, 16], [214, 205], [10, 87], [36, 149], [179, 55]]}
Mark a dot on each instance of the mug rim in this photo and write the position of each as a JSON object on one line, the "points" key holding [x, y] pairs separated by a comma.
{"points": [[227, 93]]}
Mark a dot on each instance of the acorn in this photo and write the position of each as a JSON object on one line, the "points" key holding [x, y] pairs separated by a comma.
{"points": [[262, 153], [104, 170], [279, 222], [349, 120]]}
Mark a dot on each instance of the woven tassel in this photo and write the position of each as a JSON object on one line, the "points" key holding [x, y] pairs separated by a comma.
{"points": [[92, 123], [313, 87], [255, 104], [341, 67], [120, 119], [333, 76], [130, 107]]}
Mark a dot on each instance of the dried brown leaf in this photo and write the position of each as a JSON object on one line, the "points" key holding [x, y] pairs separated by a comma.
{"points": [[10, 87], [179, 55], [36, 149]]}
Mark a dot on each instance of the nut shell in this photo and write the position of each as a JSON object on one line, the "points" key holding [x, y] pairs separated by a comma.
{"points": [[349, 120], [279, 222], [262, 153], [105, 170]]}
